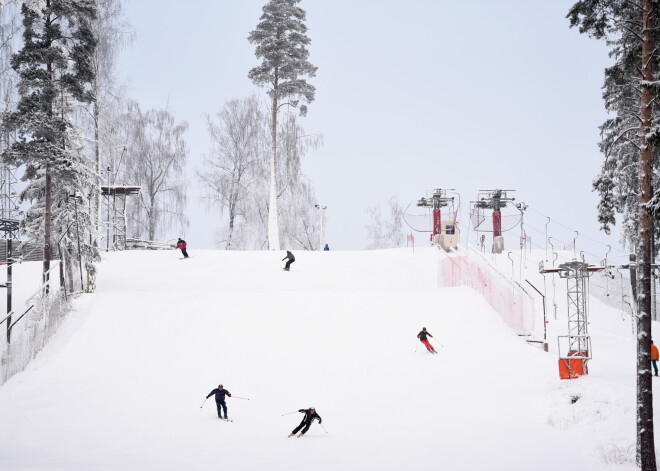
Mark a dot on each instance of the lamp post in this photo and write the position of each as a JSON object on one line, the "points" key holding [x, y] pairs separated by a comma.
{"points": [[321, 209]]}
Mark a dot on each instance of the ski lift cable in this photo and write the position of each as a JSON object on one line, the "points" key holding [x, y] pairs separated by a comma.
{"points": [[573, 230], [566, 244]]}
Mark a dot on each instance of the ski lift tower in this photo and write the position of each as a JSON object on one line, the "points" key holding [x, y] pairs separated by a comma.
{"points": [[574, 348], [495, 200], [115, 199], [437, 201], [9, 226]]}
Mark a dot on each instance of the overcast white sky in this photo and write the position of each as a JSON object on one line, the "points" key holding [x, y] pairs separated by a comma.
{"points": [[471, 95]]}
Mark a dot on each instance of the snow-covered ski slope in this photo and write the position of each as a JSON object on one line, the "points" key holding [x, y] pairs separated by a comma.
{"points": [[120, 385]]}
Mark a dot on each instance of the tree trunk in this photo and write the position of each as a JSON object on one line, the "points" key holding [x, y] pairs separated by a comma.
{"points": [[48, 218], [273, 229], [232, 216], [645, 440], [96, 210], [48, 194]]}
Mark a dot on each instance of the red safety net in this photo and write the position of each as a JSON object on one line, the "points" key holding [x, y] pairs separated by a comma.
{"points": [[512, 303]]}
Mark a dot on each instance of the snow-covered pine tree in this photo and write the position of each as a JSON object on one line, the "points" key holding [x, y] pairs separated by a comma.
{"points": [[155, 161], [54, 73], [281, 43], [632, 29]]}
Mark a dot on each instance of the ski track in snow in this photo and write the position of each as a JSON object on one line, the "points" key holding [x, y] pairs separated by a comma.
{"points": [[120, 385]]}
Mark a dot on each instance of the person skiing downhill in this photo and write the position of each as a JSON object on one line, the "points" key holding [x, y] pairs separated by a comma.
{"points": [[422, 337], [181, 244], [290, 260], [310, 415], [654, 357], [220, 394]]}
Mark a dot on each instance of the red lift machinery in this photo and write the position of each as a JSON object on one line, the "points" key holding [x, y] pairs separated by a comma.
{"points": [[493, 200], [444, 233]]}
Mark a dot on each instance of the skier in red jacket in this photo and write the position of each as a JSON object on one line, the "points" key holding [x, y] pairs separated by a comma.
{"points": [[181, 244]]}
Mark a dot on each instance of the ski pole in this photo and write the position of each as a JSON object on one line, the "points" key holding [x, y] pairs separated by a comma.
{"points": [[441, 346], [289, 413], [239, 397], [203, 403], [323, 427]]}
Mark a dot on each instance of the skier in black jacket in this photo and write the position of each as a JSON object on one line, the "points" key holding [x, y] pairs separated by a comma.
{"points": [[220, 393], [290, 260], [310, 415], [422, 336]]}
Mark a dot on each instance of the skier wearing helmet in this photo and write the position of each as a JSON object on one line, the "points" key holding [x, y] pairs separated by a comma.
{"points": [[422, 337], [310, 415]]}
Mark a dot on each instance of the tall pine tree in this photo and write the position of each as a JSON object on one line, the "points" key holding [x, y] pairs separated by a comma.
{"points": [[281, 43], [632, 29], [54, 75]]}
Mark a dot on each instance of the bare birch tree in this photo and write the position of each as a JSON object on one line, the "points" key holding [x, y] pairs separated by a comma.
{"points": [[156, 157], [236, 177], [385, 232], [233, 166]]}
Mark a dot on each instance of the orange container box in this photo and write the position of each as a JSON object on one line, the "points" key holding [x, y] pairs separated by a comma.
{"points": [[571, 368]]}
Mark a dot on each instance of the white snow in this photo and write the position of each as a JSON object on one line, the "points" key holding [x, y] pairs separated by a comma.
{"points": [[120, 385]]}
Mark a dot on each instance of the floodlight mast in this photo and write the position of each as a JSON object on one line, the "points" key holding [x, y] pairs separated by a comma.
{"points": [[437, 201]]}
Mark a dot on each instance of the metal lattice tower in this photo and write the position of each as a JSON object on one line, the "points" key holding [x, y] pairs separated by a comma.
{"points": [[8, 203], [9, 231], [576, 275], [578, 339], [115, 200], [575, 348]]}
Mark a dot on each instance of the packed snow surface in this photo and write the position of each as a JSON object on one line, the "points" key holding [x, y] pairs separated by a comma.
{"points": [[120, 385]]}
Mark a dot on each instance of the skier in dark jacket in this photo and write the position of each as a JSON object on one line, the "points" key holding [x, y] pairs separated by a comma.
{"points": [[326, 248], [181, 244], [220, 394], [422, 337], [310, 415], [291, 258]]}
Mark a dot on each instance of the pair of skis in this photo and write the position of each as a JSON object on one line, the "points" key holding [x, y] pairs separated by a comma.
{"points": [[235, 397]]}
